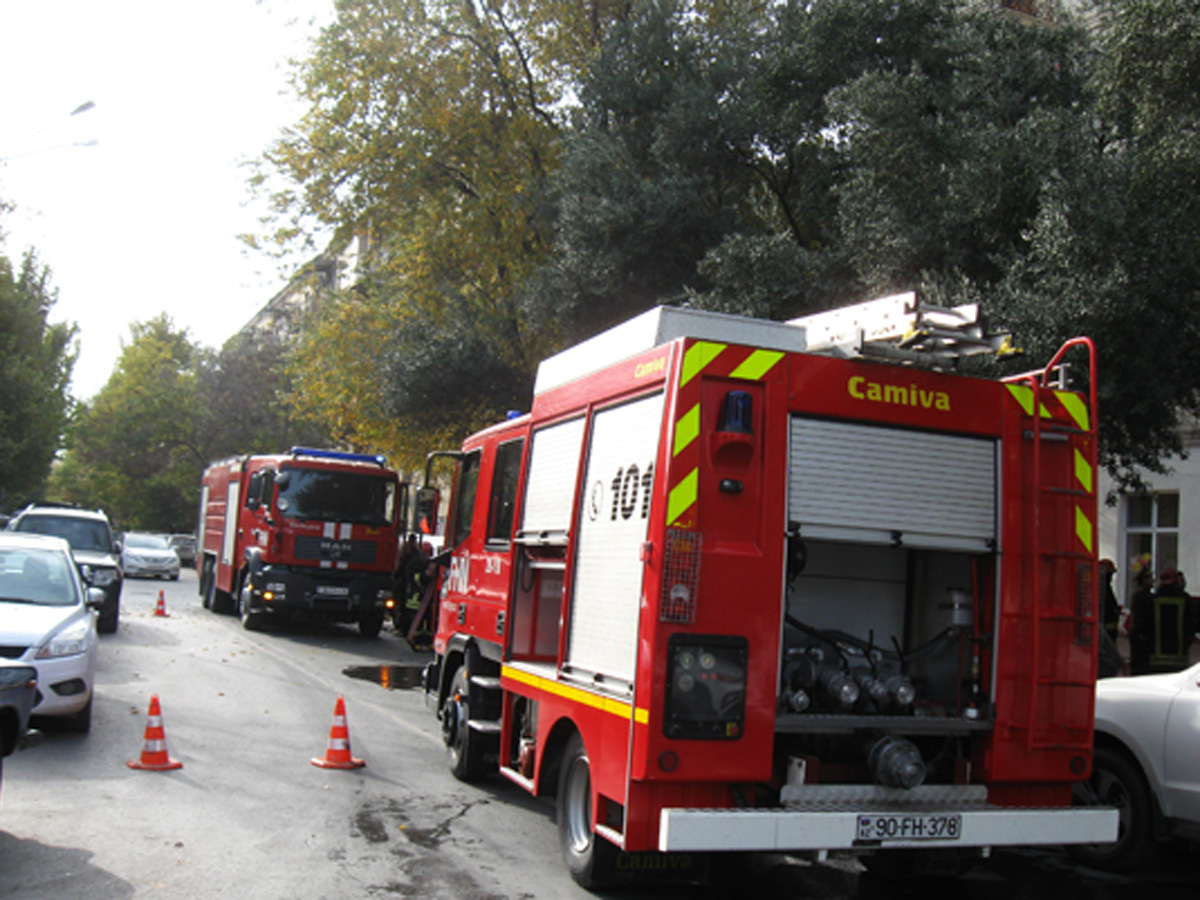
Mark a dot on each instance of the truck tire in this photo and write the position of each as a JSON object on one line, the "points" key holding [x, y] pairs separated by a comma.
{"points": [[1117, 781], [251, 621], [589, 858], [370, 626], [463, 750]]}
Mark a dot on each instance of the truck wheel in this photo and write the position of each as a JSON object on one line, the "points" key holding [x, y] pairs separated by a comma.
{"points": [[463, 752], [251, 621], [1116, 781], [370, 626], [590, 859]]}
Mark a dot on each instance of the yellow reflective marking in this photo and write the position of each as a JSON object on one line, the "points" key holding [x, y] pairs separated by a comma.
{"points": [[757, 364], [697, 358], [1083, 471], [577, 695], [683, 495], [1024, 396], [1074, 404], [1083, 528], [687, 429]]}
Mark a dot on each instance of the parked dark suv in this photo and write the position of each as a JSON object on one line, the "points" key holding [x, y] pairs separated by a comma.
{"points": [[97, 553]]}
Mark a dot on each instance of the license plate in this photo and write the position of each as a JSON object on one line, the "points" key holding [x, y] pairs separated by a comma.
{"points": [[875, 827], [331, 590]]}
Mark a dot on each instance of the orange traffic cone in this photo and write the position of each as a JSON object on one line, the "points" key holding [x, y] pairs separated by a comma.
{"points": [[160, 608], [154, 745], [337, 754]]}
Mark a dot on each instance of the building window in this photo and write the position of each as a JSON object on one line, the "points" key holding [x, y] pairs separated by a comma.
{"points": [[1151, 526]]}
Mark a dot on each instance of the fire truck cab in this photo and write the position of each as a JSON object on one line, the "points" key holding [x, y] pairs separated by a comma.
{"points": [[745, 585], [310, 533]]}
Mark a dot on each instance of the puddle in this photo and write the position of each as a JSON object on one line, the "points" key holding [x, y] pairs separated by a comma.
{"points": [[391, 677]]}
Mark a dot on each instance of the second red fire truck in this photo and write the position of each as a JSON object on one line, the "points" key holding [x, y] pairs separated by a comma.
{"points": [[739, 585], [308, 533]]}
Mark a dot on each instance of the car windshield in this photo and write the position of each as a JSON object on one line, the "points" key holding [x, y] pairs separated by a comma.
{"points": [[337, 497], [146, 542], [35, 576], [81, 534]]}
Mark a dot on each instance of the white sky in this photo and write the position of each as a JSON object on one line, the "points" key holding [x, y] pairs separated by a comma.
{"points": [[146, 220]]}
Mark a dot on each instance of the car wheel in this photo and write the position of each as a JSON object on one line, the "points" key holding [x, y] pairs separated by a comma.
{"points": [[80, 722], [589, 858], [1117, 781], [108, 621]]}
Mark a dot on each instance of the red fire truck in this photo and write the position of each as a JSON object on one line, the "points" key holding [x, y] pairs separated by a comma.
{"points": [[308, 533], [739, 585]]}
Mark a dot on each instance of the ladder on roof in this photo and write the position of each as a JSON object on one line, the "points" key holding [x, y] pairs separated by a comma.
{"points": [[1057, 419], [902, 328]]}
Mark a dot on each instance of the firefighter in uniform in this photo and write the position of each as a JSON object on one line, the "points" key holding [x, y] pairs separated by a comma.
{"points": [[1171, 622], [1109, 660], [1141, 615]]}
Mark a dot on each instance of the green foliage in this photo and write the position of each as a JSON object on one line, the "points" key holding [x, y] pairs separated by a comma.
{"points": [[526, 173], [135, 450], [36, 358]]}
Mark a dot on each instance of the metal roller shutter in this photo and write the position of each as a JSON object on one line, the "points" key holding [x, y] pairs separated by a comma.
{"points": [[553, 467], [869, 484], [612, 528]]}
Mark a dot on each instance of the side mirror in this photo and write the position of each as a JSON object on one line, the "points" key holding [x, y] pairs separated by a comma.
{"points": [[283, 479], [428, 500], [95, 598]]}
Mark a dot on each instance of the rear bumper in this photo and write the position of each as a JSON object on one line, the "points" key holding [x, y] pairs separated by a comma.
{"points": [[977, 824]]}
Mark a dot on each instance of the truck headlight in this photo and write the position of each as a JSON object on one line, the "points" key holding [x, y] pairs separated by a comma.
{"points": [[706, 690]]}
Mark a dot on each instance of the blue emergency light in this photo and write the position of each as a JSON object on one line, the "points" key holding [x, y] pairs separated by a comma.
{"points": [[378, 459]]}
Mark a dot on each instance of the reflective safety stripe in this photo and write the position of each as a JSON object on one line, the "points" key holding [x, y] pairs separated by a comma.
{"points": [[1083, 471], [697, 357], [1075, 406], [683, 495], [687, 429], [568, 692], [1083, 528], [757, 364]]}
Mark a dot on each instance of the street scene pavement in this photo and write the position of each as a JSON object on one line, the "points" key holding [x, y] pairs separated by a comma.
{"points": [[247, 814]]}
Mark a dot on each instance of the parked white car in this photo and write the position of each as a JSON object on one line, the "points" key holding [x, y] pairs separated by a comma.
{"points": [[148, 556], [48, 621], [1147, 764]]}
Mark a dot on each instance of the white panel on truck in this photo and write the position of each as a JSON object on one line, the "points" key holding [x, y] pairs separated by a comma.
{"points": [[869, 484], [232, 499], [550, 487], [614, 516]]}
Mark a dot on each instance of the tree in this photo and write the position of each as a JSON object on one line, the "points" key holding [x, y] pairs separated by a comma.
{"points": [[137, 448], [36, 359]]}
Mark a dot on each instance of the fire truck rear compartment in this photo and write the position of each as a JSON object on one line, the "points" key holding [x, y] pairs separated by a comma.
{"points": [[891, 561]]}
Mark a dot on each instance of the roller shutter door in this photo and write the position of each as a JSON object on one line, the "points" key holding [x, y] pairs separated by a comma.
{"points": [[868, 484]]}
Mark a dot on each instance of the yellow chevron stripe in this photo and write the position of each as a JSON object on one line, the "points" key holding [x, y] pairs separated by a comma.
{"points": [[757, 364], [1074, 405], [683, 495], [687, 429], [1083, 528], [576, 695], [697, 358], [1083, 471], [1023, 395]]}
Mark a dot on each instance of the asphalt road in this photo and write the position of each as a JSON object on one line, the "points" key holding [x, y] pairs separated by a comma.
{"points": [[248, 815]]}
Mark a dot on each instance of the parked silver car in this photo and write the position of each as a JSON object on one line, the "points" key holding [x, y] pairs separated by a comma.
{"points": [[1147, 764], [48, 621], [148, 556]]}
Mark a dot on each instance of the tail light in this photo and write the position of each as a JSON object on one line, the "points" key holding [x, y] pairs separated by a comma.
{"points": [[681, 577]]}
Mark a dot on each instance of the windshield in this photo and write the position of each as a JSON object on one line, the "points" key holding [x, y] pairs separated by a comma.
{"points": [[337, 497], [42, 577], [146, 541], [81, 534]]}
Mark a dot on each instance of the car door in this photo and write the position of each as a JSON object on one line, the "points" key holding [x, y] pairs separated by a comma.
{"points": [[1181, 756]]}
